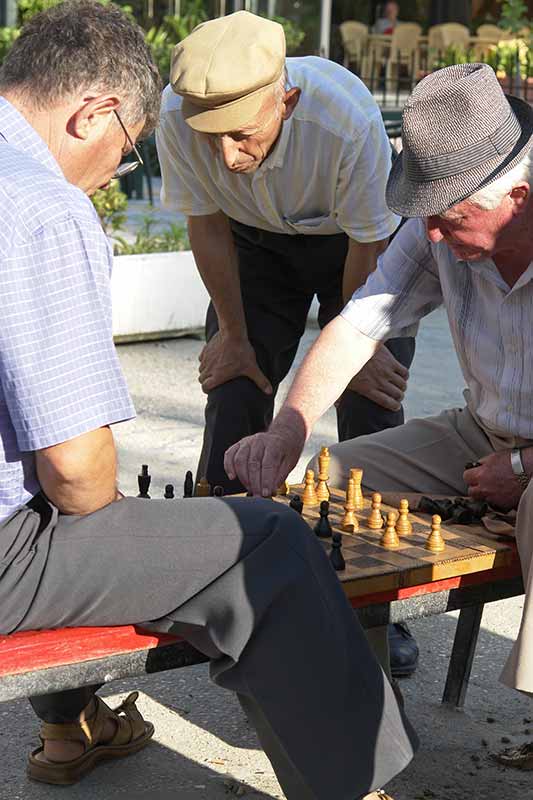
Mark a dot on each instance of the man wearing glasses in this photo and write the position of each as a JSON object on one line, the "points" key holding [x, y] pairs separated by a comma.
{"points": [[77, 90]]}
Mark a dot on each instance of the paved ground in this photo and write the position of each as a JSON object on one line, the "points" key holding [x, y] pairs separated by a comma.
{"points": [[204, 747]]}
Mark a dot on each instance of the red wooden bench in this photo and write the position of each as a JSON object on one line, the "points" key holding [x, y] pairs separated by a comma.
{"points": [[47, 661]]}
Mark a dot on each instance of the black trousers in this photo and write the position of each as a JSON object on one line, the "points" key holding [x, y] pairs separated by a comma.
{"points": [[280, 274]]}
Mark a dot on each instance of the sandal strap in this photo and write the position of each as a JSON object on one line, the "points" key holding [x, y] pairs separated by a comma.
{"points": [[127, 718]]}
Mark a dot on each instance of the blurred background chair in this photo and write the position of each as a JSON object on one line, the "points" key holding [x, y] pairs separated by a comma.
{"points": [[354, 37], [404, 56]]}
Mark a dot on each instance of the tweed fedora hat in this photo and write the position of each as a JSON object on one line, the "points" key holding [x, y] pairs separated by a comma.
{"points": [[225, 68], [460, 132]]}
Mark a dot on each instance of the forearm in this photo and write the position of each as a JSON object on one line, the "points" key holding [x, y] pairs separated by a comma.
{"points": [[79, 476], [361, 260], [337, 355], [216, 258]]}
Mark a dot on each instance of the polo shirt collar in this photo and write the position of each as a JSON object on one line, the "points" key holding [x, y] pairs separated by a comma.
{"points": [[277, 156], [17, 132]]}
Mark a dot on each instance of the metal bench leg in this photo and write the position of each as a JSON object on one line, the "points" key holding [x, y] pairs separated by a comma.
{"points": [[464, 647]]}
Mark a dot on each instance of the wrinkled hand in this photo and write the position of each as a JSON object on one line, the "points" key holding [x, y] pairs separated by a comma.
{"points": [[383, 380], [263, 461], [494, 481], [224, 358]]}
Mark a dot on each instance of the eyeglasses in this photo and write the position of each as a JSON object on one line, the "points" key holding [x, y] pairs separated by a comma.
{"points": [[128, 166]]}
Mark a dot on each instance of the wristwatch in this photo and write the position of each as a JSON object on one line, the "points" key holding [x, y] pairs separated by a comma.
{"points": [[517, 466]]}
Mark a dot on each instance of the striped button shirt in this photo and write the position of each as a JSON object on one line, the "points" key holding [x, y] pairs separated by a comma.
{"points": [[491, 323], [326, 174], [59, 372]]}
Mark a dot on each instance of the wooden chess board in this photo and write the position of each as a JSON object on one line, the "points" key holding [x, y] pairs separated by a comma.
{"points": [[372, 568]]}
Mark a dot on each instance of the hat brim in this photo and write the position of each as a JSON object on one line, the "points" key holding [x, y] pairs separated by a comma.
{"points": [[225, 118], [424, 199]]}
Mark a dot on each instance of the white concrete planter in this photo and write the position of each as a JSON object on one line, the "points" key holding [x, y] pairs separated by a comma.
{"points": [[156, 296]]}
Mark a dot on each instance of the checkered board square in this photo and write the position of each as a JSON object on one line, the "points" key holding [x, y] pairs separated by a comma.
{"points": [[371, 567]]}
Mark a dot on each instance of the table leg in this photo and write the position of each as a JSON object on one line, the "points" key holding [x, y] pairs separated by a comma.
{"points": [[464, 647]]}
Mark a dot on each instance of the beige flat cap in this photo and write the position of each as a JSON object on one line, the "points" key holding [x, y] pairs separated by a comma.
{"points": [[224, 69]]}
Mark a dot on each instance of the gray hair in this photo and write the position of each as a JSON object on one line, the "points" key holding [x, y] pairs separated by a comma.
{"points": [[491, 196], [83, 45]]}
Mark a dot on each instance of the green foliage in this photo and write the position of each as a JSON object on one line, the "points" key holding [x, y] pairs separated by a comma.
{"points": [[111, 205], [505, 56], [453, 55], [294, 35], [173, 29], [173, 237], [7, 37], [514, 16]]}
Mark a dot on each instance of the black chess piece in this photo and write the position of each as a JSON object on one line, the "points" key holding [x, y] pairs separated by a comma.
{"points": [[249, 493], [296, 503], [218, 491], [188, 486], [323, 527], [169, 492], [144, 480], [337, 559]]}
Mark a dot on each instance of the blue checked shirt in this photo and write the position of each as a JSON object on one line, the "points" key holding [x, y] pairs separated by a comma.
{"points": [[59, 372]]}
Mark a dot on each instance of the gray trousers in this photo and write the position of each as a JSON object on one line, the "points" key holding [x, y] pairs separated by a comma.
{"points": [[246, 582]]}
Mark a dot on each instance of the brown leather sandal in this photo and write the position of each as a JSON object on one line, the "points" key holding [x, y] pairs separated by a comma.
{"points": [[520, 757], [132, 733]]}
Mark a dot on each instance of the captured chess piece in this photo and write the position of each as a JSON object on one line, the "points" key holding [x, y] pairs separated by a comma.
{"points": [[358, 500], [218, 491], [296, 503], [435, 542], [283, 490], [336, 557], [349, 522], [309, 497], [144, 480], [169, 492], [323, 526], [390, 538], [375, 520], [203, 488], [403, 525], [188, 486], [322, 490]]}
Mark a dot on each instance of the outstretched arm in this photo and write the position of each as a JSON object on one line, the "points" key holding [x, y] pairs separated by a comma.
{"points": [[261, 462]]}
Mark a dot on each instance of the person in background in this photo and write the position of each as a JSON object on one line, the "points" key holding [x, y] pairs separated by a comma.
{"points": [[385, 25]]}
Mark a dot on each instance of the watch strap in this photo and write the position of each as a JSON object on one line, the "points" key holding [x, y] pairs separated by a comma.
{"points": [[517, 465]]}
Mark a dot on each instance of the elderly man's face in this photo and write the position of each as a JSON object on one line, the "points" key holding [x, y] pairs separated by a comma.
{"points": [[471, 233], [244, 150]]}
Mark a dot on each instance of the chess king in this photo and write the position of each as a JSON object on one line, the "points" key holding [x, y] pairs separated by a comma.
{"points": [[280, 165], [468, 246]]}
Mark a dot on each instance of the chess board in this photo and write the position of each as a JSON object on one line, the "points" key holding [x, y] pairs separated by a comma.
{"points": [[370, 567]]}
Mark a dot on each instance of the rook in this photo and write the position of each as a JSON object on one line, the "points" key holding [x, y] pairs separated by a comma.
{"points": [[144, 480]]}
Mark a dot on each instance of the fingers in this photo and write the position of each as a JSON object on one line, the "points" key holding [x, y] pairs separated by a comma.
{"points": [[395, 366], [258, 461], [259, 378], [396, 380], [384, 400]]}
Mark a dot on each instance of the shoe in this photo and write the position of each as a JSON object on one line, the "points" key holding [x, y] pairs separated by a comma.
{"points": [[132, 733], [379, 795], [403, 650], [517, 757]]}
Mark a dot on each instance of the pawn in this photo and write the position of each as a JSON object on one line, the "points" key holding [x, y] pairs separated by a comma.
{"points": [[218, 491], [203, 488], [375, 520], [349, 521], [169, 492], [323, 526], [337, 559], [390, 538], [309, 495], [283, 490], [144, 480], [357, 477], [403, 525], [296, 503], [435, 542], [188, 486]]}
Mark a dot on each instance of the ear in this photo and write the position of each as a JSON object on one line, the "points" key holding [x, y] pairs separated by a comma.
{"points": [[520, 195], [92, 115], [290, 102]]}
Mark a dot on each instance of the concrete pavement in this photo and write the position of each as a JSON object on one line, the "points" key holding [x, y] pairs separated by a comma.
{"points": [[204, 747]]}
